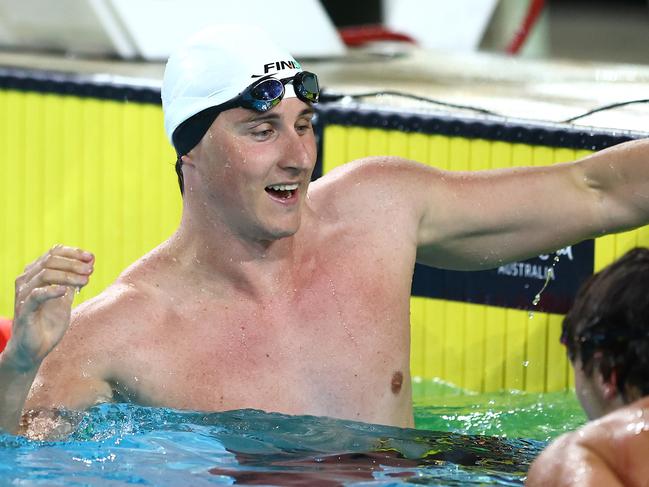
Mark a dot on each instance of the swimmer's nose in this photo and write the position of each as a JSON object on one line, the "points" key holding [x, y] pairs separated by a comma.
{"points": [[299, 152]]}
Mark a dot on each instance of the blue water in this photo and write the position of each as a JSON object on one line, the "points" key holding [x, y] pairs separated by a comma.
{"points": [[121, 444]]}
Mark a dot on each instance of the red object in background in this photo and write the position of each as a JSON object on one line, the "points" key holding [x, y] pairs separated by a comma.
{"points": [[533, 12], [5, 332], [361, 34]]}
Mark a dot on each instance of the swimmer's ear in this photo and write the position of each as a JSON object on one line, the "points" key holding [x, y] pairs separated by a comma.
{"points": [[609, 387], [187, 159]]}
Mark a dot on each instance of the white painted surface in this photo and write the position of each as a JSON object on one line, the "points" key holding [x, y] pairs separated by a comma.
{"points": [[150, 29], [61, 25], [301, 26], [447, 25]]}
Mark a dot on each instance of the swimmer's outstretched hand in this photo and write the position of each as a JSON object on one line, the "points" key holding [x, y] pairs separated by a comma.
{"points": [[44, 295]]}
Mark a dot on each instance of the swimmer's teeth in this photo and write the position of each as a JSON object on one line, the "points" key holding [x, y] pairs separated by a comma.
{"points": [[283, 187]]}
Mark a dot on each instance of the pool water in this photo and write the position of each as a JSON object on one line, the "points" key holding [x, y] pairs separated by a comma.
{"points": [[461, 439], [442, 407]]}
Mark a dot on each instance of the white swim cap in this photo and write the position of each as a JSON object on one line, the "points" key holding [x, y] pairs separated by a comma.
{"points": [[217, 64]]}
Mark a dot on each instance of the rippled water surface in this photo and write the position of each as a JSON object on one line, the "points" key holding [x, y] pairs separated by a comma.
{"points": [[508, 414], [461, 439]]}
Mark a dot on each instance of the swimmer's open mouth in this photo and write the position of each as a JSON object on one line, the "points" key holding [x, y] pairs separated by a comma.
{"points": [[282, 191]]}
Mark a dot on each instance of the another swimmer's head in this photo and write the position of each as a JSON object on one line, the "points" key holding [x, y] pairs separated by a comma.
{"points": [[224, 67], [607, 329]]}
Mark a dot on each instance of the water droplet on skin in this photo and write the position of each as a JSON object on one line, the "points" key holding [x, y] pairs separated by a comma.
{"points": [[636, 428], [340, 314]]}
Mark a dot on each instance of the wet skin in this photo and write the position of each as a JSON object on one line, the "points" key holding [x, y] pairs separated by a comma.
{"points": [[287, 296], [258, 301], [611, 451]]}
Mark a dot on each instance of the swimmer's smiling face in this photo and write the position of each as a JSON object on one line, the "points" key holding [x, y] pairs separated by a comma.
{"points": [[254, 168]]}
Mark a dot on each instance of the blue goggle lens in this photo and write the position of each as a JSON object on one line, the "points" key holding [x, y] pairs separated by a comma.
{"points": [[268, 90], [265, 94]]}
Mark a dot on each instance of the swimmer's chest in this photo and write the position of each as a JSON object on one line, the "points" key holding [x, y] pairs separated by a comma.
{"points": [[340, 331], [343, 307]]}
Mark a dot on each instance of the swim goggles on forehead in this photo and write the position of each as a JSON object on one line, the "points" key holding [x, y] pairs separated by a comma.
{"points": [[268, 92], [261, 96]]}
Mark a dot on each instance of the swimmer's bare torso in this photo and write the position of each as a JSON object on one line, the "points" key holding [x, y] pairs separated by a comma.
{"points": [[319, 324], [326, 333]]}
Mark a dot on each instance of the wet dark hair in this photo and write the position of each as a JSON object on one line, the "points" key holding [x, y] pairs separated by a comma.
{"points": [[610, 315], [189, 133]]}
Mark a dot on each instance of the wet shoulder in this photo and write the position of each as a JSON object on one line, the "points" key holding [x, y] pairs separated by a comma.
{"points": [[621, 439], [133, 299], [366, 171], [123, 304], [372, 188]]}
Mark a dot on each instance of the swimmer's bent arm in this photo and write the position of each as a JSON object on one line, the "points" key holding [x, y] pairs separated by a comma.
{"points": [[43, 302]]}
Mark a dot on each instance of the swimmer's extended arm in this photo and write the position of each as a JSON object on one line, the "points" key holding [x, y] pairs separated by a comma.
{"points": [[476, 220], [43, 301]]}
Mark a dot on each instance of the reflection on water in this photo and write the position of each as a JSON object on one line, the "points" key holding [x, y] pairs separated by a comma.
{"points": [[441, 407], [122, 444]]}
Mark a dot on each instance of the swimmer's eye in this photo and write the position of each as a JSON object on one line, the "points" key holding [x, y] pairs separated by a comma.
{"points": [[304, 124], [263, 133], [304, 127]]}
